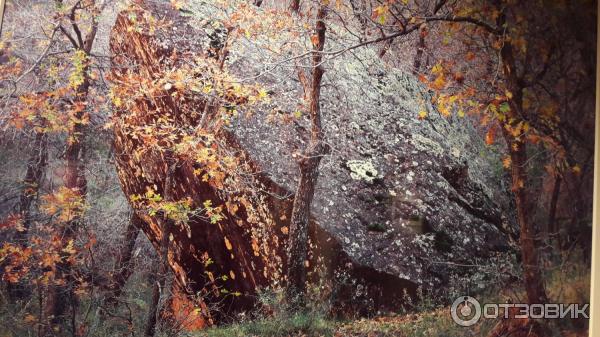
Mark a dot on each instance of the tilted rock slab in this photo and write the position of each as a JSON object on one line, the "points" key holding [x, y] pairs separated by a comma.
{"points": [[396, 208]]}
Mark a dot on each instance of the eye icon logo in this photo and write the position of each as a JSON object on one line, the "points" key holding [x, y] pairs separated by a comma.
{"points": [[466, 311]]}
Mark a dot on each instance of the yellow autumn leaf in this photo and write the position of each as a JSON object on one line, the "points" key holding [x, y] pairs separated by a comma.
{"points": [[379, 13], [506, 162], [228, 244], [444, 110], [255, 247], [69, 248], [29, 318], [176, 4], [439, 82], [262, 94]]}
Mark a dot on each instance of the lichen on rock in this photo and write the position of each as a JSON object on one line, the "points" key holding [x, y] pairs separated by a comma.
{"points": [[362, 170]]}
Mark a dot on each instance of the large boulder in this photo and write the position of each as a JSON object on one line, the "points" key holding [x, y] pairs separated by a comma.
{"points": [[408, 196], [400, 201]]}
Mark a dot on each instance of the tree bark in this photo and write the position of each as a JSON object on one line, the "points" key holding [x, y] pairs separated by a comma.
{"points": [[553, 230], [159, 278], [309, 172], [61, 297], [533, 280], [420, 50], [123, 269], [163, 265], [534, 284], [294, 6], [36, 167]]}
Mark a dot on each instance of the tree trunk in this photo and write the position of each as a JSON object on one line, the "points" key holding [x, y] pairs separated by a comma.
{"points": [[167, 226], [61, 296], [159, 280], [294, 6], [298, 244], [122, 269], [420, 50], [309, 172], [534, 284], [533, 280], [157, 285], [553, 230], [36, 167]]}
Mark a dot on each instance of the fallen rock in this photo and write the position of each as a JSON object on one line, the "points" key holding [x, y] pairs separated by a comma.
{"points": [[400, 202]]}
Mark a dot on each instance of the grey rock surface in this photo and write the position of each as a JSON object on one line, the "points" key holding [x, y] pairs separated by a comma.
{"points": [[407, 196]]}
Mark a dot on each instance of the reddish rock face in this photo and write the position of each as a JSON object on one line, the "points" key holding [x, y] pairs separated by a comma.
{"points": [[224, 262]]}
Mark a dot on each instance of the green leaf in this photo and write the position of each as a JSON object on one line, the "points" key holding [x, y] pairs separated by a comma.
{"points": [[504, 107]]}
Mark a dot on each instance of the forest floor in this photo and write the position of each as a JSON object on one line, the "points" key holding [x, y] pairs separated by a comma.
{"points": [[567, 283], [564, 286]]}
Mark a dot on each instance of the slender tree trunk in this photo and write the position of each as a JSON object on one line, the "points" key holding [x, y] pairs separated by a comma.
{"points": [[160, 276], [553, 232], [36, 167], [533, 280], [163, 266], [534, 284], [61, 296], [309, 172], [153, 310], [2, 9], [122, 269], [420, 49], [298, 243]]}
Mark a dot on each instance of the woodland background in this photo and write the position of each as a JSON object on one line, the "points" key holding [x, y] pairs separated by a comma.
{"points": [[194, 114]]}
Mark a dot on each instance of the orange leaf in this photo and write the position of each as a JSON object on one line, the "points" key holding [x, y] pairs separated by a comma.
{"points": [[314, 39], [490, 136]]}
